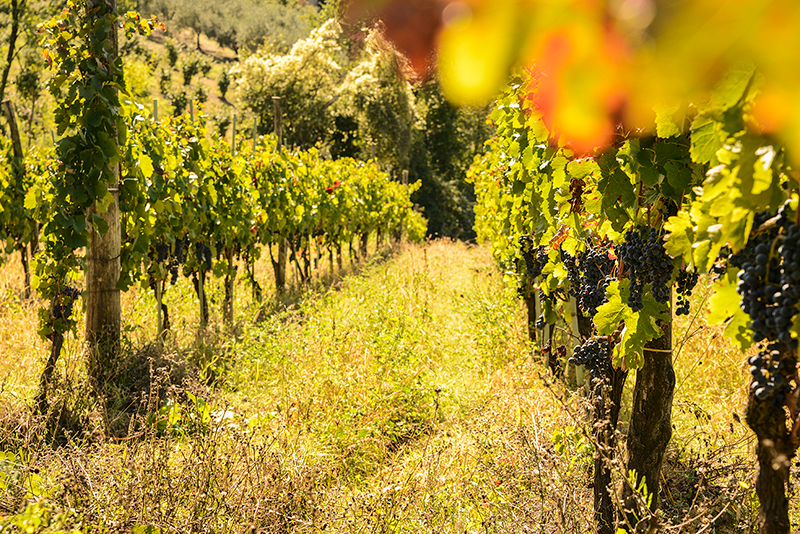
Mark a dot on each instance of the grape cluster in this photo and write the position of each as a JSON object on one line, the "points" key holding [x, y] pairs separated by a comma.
{"points": [[535, 257], [540, 322], [770, 270], [768, 381], [597, 266], [685, 283], [589, 275], [63, 302], [204, 256], [646, 262], [172, 256], [573, 272], [595, 355]]}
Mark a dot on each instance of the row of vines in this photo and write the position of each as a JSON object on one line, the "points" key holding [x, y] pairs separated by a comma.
{"points": [[602, 242], [127, 199]]}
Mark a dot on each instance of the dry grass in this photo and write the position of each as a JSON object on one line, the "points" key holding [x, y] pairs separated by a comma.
{"points": [[404, 398]]}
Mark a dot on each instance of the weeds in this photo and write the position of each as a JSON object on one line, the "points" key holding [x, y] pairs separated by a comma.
{"points": [[400, 399]]}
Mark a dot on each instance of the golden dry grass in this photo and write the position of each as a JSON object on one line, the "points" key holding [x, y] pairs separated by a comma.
{"points": [[404, 398]]}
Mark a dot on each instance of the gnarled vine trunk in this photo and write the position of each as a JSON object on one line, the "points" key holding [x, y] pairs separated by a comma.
{"points": [[774, 452], [651, 423], [606, 404]]}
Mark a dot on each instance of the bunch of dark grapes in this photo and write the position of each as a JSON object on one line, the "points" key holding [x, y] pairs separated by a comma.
{"points": [[685, 283], [544, 300], [204, 256], [595, 355], [178, 258], [573, 272], [768, 380], [535, 257], [63, 302], [770, 270], [596, 266], [646, 262]]}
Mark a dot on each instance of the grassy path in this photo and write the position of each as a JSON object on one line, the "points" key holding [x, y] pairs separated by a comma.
{"points": [[405, 399]]}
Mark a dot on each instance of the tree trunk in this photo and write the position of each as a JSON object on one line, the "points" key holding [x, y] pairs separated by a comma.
{"points": [[364, 245], [47, 374], [230, 277], [339, 258], [16, 15], [103, 311], [651, 422], [200, 288], [530, 305], [18, 170], [774, 452], [280, 273], [606, 404], [23, 253]]}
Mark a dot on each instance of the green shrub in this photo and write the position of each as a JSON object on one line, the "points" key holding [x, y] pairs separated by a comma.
{"points": [[164, 81], [172, 52], [223, 83], [179, 101]]}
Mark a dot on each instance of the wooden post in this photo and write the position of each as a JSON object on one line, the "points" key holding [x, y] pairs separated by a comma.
{"points": [[372, 150], [233, 136], [155, 109], [201, 295], [103, 309], [580, 377], [159, 320], [537, 307], [405, 176], [230, 278], [277, 119], [191, 110], [255, 132], [283, 245]]}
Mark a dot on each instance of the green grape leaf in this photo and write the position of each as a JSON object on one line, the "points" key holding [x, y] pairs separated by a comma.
{"points": [[665, 125], [762, 169], [614, 310], [739, 331], [705, 139], [725, 302], [640, 329], [681, 236], [730, 91], [679, 175]]}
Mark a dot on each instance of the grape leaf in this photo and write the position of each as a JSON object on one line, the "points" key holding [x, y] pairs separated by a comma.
{"points": [[642, 328], [724, 303], [681, 236], [146, 165], [665, 126], [732, 88], [705, 139], [738, 330], [615, 310]]}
